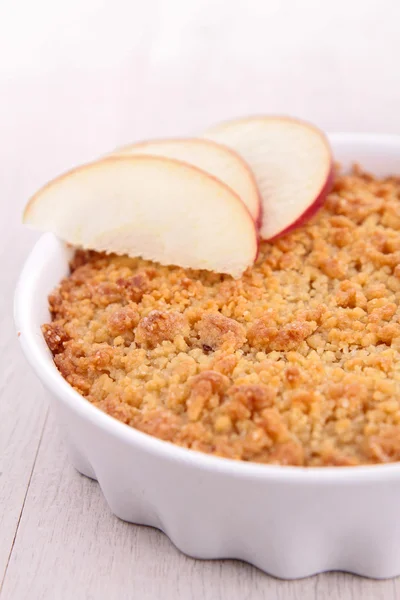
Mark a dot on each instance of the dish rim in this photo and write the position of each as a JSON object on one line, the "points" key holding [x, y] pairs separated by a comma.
{"points": [[28, 292]]}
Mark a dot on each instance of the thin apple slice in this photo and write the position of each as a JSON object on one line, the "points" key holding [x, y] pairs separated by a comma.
{"points": [[161, 209], [291, 161], [215, 159]]}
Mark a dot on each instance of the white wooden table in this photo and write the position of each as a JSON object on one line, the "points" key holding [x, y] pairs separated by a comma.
{"points": [[75, 83]]}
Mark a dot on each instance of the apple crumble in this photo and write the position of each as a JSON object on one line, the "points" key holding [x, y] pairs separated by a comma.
{"points": [[296, 363]]}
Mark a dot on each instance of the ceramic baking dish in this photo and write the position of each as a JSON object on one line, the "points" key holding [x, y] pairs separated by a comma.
{"points": [[288, 521]]}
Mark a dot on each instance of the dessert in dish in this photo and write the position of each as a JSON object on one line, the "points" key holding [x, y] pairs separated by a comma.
{"points": [[294, 362], [213, 507]]}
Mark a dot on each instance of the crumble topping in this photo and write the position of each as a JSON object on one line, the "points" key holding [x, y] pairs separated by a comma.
{"points": [[296, 363]]}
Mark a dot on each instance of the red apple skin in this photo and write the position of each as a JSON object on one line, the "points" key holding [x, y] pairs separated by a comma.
{"points": [[312, 209], [258, 248], [259, 219]]}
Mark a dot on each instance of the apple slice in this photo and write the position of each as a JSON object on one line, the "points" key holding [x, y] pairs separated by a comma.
{"points": [[219, 161], [158, 208], [291, 161]]}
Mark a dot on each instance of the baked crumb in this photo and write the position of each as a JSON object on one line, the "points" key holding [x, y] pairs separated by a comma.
{"points": [[296, 363]]}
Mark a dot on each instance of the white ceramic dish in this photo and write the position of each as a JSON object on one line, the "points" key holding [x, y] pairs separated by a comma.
{"points": [[288, 521]]}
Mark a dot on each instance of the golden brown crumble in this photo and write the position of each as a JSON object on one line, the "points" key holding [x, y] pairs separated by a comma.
{"points": [[296, 363]]}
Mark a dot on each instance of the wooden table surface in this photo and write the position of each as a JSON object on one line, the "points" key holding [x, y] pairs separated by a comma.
{"points": [[76, 83]]}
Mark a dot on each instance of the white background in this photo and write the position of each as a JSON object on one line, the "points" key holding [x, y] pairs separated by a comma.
{"points": [[77, 78]]}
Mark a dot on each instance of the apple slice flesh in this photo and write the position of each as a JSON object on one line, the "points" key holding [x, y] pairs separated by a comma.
{"points": [[291, 161], [157, 208], [219, 161]]}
